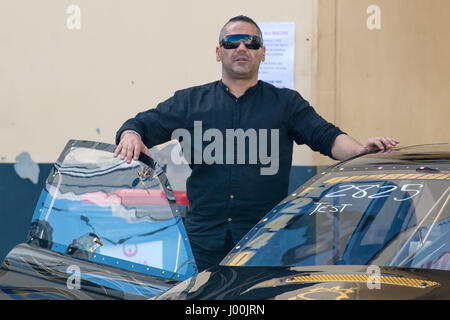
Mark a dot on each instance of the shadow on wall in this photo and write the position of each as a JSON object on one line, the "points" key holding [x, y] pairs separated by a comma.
{"points": [[21, 185]]}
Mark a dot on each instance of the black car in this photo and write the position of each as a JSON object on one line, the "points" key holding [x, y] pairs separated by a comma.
{"points": [[372, 227]]}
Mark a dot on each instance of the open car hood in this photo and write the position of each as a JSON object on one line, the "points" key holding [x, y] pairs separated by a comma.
{"points": [[97, 212]]}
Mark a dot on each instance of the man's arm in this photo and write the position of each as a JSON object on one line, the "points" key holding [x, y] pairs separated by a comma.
{"points": [[345, 147], [150, 128]]}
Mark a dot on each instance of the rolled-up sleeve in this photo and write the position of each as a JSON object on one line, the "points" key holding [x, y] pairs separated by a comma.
{"points": [[308, 127], [155, 126]]}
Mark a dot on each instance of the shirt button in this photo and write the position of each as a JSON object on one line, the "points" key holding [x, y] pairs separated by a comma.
{"points": [[229, 219], [231, 196]]}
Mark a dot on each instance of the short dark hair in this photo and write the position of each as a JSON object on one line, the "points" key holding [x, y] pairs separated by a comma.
{"points": [[243, 19]]}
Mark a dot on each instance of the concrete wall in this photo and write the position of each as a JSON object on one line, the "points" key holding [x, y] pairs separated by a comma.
{"points": [[393, 80], [59, 82]]}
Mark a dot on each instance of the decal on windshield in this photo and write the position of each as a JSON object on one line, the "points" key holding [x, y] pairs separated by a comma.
{"points": [[375, 191], [325, 207]]}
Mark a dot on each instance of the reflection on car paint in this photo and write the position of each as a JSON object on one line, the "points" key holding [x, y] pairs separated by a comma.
{"points": [[325, 293]]}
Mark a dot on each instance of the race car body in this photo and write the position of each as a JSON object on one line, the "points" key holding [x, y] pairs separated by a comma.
{"points": [[376, 226]]}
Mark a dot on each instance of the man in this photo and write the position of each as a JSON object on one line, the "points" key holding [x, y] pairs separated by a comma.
{"points": [[231, 194]]}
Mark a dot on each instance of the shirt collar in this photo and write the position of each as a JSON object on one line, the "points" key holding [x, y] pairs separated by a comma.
{"points": [[248, 91]]}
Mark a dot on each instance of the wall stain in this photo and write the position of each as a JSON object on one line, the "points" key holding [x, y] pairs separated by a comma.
{"points": [[26, 168]]}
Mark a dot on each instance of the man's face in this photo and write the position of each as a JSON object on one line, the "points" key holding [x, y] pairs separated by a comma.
{"points": [[240, 63]]}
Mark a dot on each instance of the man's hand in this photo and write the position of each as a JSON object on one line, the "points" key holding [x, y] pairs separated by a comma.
{"points": [[345, 146], [130, 147], [379, 144]]}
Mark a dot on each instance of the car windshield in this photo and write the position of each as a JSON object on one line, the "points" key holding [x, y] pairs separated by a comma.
{"points": [[399, 218], [100, 208]]}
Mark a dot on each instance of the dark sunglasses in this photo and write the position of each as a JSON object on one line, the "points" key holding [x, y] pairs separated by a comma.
{"points": [[233, 41]]}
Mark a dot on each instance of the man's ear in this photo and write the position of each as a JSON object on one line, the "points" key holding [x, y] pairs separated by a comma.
{"points": [[263, 53], [217, 54]]}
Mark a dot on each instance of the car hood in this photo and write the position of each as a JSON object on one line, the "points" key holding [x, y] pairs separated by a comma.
{"points": [[313, 283]]}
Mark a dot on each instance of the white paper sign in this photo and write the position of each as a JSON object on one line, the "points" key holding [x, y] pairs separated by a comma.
{"points": [[279, 40]]}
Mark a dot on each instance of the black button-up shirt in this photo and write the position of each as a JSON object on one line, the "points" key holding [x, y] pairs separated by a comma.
{"points": [[233, 193]]}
